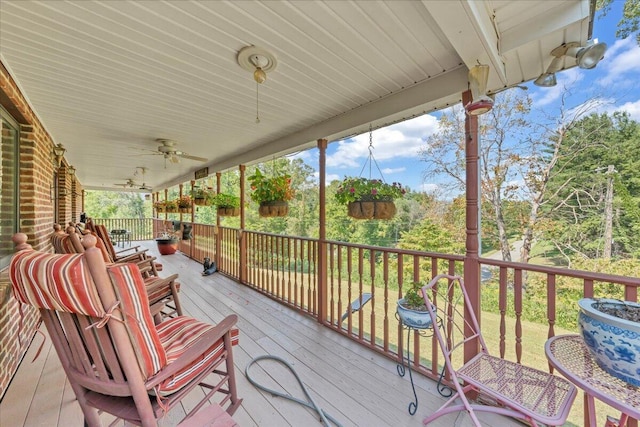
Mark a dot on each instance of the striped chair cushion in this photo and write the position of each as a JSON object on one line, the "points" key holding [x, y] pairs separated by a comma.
{"points": [[100, 244], [130, 289], [55, 282], [177, 335], [62, 243], [102, 232]]}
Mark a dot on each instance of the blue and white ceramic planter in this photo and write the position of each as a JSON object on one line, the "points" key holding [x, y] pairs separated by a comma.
{"points": [[613, 342], [413, 318]]}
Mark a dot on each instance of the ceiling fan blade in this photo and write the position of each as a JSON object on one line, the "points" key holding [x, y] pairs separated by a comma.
{"points": [[196, 158]]}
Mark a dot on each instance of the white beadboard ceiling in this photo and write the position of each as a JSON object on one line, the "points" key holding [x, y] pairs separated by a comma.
{"points": [[107, 78]]}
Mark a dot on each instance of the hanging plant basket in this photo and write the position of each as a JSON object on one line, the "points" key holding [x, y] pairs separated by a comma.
{"points": [[274, 209], [201, 202], [171, 210], [185, 210], [375, 209], [160, 209], [228, 211]]}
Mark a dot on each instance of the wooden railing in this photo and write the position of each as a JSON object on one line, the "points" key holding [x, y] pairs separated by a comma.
{"points": [[286, 268], [140, 228]]}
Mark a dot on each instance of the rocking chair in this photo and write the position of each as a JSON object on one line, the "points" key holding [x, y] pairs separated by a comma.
{"points": [[519, 391], [162, 292], [115, 358]]}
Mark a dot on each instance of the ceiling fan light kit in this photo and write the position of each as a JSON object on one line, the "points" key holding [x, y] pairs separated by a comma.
{"points": [[260, 62]]}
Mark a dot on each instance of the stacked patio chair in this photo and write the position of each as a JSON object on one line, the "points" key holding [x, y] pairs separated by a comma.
{"points": [[162, 292], [518, 391], [116, 359]]}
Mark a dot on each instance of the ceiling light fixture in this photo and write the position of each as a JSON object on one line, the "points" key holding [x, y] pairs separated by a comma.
{"points": [[480, 103], [260, 62], [587, 57]]}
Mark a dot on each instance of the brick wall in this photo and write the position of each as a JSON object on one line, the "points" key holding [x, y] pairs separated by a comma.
{"points": [[37, 204]]}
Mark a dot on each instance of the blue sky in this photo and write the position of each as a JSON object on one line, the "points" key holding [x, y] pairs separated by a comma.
{"points": [[614, 83]]}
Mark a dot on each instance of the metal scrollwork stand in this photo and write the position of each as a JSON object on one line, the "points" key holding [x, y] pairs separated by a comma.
{"points": [[443, 390]]}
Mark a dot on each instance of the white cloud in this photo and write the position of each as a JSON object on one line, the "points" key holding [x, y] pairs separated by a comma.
{"points": [[391, 171], [429, 188], [621, 61], [392, 142], [633, 108], [566, 79], [333, 177]]}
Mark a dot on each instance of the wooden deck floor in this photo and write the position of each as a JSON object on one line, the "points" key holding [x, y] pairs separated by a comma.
{"points": [[355, 385]]}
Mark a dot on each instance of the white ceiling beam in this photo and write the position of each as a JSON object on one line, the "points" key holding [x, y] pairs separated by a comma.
{"points": [[429, 94], [469, 28], [552, 20]]}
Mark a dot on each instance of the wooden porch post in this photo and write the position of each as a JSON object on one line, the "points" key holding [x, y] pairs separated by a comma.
{"points": [[322, 241], [242, 236], [166, 196], [192, 242], [471, 261], [217, 234]]}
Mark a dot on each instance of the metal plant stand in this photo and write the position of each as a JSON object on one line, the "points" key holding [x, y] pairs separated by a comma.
{"points": [[443, 390]]}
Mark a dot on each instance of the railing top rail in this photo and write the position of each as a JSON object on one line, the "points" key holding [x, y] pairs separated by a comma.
{"points": [[578, 274], [284, 236], [450, 257]]}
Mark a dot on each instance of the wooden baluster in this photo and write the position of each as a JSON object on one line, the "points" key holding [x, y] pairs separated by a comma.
{"points": [[502, 306], [517, 288], [349, 294], [587, 285], [372, 272], [551, 307], [385, 321]]}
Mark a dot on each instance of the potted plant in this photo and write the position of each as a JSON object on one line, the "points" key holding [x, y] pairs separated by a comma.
{"points": [[160, 206], [171, 206], [369, 198], [167, 243], [184, 204], [202, 196], [412, 310], [272, 193], [611, 330], [227, 204]]}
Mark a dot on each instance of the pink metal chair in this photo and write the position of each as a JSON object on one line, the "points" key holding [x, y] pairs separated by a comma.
{"points": [[115, 358], [518, 391]]}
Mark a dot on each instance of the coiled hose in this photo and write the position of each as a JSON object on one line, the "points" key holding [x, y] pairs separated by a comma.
{"points": [[310, 403]]}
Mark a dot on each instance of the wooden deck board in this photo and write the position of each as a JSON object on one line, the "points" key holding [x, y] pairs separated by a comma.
{"points": [[354, 384]]}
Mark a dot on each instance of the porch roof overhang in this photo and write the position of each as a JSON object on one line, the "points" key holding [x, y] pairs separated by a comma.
{"points": [[108, 78]]}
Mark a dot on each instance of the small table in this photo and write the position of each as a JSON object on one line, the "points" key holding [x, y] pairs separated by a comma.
{"points": [[444, 390], [570, 356], [121, 236]]}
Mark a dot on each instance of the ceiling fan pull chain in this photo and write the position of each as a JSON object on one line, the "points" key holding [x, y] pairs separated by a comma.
{"points": [[257, 103]]}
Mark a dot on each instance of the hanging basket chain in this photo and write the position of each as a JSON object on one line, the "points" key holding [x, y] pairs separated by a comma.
{"points": [[371, 160]]}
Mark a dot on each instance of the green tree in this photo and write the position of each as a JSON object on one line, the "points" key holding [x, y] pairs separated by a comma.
{"points": [[111, 204], [629, 22], [581, 183]]}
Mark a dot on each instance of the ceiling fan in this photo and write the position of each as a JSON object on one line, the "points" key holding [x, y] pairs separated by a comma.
{"points": [[167, 148], [144, 185], [128, 184]]}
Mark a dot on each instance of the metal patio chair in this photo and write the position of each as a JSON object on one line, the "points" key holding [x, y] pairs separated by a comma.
{"points": [[517, 390], [115, 358]]}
